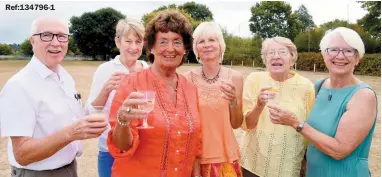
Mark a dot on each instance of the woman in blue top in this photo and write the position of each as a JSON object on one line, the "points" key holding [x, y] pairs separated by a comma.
{"points": [[341, 123]]}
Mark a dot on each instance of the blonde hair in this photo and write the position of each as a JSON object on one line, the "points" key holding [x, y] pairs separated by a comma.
{"points": [[124, 26], [280, 40], [209, 29], [351, 37]]}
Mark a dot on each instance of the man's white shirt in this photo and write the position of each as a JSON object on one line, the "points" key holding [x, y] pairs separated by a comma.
{"points": [[100, 77], [37, 102]]}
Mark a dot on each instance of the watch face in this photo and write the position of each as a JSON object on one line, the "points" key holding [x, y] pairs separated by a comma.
{"points": [[300, 126]]}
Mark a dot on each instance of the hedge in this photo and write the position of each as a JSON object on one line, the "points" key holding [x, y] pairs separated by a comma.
{"points": [[369, 65]]}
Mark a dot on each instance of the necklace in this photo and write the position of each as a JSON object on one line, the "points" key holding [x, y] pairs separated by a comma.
{"points": [[174, 88], [330, 95], [213, 80], [332, 90]]}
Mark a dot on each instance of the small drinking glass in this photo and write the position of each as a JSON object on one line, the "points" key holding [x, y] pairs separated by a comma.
{"points": [[101, 110], [149, 97], [272, 99]]}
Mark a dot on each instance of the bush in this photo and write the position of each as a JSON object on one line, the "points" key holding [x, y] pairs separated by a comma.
{"points": [[370, 64], [5, 49]]}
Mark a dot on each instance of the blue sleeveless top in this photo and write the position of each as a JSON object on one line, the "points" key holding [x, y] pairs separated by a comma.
{"points": [[324, 117]]}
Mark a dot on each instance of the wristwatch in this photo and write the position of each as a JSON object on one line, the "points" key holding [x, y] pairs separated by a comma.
{"points": [[300, 126]]}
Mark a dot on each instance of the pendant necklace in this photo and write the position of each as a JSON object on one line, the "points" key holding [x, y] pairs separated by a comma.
{"points": [[213, 80]]}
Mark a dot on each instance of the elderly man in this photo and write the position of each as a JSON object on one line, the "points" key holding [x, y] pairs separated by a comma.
{"points": [[41, 111]]}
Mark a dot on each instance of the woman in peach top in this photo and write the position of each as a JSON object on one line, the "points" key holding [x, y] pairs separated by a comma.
{"points": [[220, 91], [172, 147]]}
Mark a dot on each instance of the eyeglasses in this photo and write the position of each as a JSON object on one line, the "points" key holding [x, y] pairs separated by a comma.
{"points": [[165, 43], [47, 37], [281, 52], [350, 52]]}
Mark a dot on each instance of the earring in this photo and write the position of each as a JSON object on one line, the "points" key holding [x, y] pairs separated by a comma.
{"points": [[152, 52]]}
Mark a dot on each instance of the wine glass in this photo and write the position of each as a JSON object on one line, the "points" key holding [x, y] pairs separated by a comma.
{"points": [[149, 97]]}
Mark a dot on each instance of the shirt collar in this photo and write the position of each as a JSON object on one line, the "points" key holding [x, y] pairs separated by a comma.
{"points": [[116, 60], [43, 70]]}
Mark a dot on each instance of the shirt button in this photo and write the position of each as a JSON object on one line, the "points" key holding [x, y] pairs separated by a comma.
{"points": [[179, 133], [176, 169], [177, 151]]}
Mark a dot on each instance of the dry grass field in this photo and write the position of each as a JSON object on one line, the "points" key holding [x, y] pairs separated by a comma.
{"points": [[82, 72]]}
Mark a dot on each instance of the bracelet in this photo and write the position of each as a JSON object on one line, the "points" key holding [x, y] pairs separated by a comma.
{"points": [[123, 123], [233, 105]]}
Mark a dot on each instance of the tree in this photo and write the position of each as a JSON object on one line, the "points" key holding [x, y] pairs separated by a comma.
{"points": [[304, 18], [94, 32], [273, 18], [5, 49], [26, 48], [197, 11], [334, 24], [371, 22], [309, 41], [15, 47], [303, 45], [200, 13], [73, 48]]}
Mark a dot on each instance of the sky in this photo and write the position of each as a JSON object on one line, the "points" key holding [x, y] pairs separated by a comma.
{"points": [[233, 15]]}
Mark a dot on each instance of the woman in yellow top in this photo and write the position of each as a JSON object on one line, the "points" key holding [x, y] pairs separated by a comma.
{"points": [[219, 91], [270, 150]]}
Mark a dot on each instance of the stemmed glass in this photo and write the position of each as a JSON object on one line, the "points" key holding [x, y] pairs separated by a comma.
{"points": [[149, 97]]}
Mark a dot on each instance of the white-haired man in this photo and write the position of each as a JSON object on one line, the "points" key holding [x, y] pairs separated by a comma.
{"points": [[41, 111]]}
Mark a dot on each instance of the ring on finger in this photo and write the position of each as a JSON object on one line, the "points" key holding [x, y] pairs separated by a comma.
{"points": [[128, 109]]}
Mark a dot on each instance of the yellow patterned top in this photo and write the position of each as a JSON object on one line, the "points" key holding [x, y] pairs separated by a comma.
{"points": [[271, 150]]}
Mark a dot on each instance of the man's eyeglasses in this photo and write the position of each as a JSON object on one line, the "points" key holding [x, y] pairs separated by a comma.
{"points": [[350, 52], [47, 37]]}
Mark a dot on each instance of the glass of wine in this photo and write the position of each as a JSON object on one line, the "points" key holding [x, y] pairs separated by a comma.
{"points": [[149, 96]]}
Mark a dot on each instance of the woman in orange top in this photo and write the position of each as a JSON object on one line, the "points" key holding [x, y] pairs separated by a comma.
{"points": [[220, 91], [172, 147]]}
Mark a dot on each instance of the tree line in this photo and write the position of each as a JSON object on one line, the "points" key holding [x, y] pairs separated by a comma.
{"points": [[92, 33]]}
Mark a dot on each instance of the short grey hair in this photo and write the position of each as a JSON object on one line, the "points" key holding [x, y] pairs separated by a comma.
{"points": [[36, 24], [209, 29], [350, 36], [280, 40], [124, 26]]}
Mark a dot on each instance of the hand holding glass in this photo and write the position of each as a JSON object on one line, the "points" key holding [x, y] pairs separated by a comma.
{"points": [[149, 97], [99, 111], [272, 97]]}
